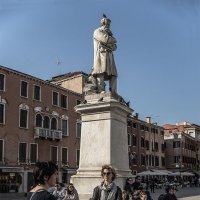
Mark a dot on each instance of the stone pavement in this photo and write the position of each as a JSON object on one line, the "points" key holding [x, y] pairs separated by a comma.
{"points": [[182, 194]]}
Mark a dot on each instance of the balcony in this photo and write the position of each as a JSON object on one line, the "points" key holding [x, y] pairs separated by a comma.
{"points": [[48, 134]]}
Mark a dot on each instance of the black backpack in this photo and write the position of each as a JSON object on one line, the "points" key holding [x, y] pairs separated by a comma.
{"points": [[161, 197]]}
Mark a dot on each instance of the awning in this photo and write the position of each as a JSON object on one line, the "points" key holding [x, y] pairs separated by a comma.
{"points": [[181, 174], [162, 171], [155, 172], [151, 173]]}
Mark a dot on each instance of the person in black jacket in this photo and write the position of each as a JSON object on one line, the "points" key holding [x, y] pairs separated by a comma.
{"points": [[107, 190], [129, 188], [45, 175]]}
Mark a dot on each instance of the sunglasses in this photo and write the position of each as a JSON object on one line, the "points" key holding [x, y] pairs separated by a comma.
{"points": [[106, 173]]}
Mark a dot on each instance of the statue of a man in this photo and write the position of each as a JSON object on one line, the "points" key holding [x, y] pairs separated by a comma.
{"points": [[104, 65]]}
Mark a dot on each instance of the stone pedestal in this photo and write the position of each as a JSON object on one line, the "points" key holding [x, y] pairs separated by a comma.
{"points": [[103, 141]]}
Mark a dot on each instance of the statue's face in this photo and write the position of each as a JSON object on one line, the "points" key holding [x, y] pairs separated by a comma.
{"points": [[107, 23]]}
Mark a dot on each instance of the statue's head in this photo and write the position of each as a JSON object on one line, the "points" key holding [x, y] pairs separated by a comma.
{"points": [[105, 21]]}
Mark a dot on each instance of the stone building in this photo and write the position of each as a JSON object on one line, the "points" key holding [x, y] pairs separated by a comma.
{"points": [[182, 147], [37, 122], [146, 145]]}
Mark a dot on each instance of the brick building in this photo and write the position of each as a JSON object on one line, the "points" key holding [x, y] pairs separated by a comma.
{"points": [[146, 145], [182, 147], [37, 122]]}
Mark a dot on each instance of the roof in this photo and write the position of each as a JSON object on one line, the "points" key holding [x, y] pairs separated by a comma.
{"points": [[38, 79], [67, 75]]}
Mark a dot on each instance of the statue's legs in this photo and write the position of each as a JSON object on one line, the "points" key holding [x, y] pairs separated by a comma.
{"points": [[100, 83], [113, 84]]}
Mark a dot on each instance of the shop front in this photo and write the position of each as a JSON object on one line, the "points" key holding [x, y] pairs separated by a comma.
{"points": [[10, 179]]}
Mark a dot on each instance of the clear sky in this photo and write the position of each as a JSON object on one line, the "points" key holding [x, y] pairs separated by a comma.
{"points": [[158, 54]]}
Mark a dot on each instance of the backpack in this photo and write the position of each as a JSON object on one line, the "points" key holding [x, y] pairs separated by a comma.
{"points": [[161, 197]]}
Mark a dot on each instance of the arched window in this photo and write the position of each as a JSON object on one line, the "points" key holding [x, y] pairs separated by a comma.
{"points": [[53, 124], [46, 122], [38, 120]]}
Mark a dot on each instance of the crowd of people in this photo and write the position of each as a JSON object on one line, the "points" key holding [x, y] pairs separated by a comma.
{"points": [[47, 188]]}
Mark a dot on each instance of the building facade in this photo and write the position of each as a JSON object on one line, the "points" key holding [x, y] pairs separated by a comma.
{"points": [[182, 147], [146, 145], [37, 123]]}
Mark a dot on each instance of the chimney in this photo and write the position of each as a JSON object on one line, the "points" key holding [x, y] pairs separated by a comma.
{"points": [[148, 120], [136, 115]]}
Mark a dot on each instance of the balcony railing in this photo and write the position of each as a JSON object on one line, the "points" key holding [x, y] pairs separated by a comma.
{"points": [[48, 134]]}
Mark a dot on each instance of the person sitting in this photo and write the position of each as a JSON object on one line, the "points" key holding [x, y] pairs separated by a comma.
{"points": [[45, 175], [59, 192], [129, 188], [71, 193]]}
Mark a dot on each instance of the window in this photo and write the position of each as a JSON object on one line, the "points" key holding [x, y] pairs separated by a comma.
{"points": [[156, 160], [24, 89], [156, 146], [2, 82], [77, 156], [176, 144], [152, 145], [53, 124], [177, 159], [23, 118], [38, 120], [64, 156], [63, 101], [129, 139], [54, 154], [22, 152], [129, 122], [78, 102], [147, 160], [142, 159], [142, 127], [37, 95], [33, 153], [152, 159], [1, 151], [65, 127], [55, 99], [46, 122], [132, 158], [78, 129], [134, 140], [163, 161], [134, 125], [2, 113], [163, 148], [147, 144], [142, 142]]}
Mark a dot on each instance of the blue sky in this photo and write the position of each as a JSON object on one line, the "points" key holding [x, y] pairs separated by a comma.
{"points": [[157, 58]]}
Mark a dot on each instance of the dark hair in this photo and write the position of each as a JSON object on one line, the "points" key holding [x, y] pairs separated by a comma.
{"points": [[111, 169], [136, 178], [43, 169], [70, 191]]}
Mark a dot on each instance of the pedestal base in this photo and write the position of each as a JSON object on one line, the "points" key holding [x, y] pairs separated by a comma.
{"points": [[85, 182], [103, 141]]}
